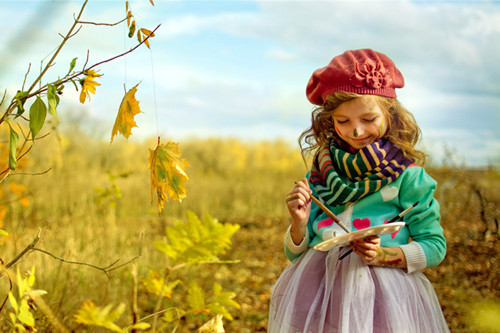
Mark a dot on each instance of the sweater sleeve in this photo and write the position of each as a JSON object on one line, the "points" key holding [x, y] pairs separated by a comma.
{"points": [[293, 251], [422, 221]]}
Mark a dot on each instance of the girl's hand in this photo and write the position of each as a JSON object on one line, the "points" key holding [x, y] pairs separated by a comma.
{"points": [[298, 201], [367, 248], [373, 254]]}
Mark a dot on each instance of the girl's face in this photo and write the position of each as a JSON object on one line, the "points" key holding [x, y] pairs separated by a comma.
{"points": [[360, 122]]}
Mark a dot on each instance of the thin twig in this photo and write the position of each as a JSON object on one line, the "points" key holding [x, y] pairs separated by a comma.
{"points": [[127, 52], [103, 269], [10, 287], [107, 24], [23, 252], [31, 173], [70, 32], [26, 76], [71, 36]]}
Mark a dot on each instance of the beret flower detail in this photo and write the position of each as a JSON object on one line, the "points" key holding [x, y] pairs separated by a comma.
{"points": [[370, 73]]}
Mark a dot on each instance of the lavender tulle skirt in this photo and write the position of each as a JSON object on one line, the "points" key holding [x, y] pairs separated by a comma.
{"points": [[318, 293]]}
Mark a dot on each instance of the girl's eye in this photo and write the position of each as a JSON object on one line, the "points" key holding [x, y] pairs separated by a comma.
{"points": [[370, 120], [342, 121]]}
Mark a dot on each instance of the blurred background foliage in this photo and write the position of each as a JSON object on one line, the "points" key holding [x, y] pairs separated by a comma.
{"points": [[93, 204]]}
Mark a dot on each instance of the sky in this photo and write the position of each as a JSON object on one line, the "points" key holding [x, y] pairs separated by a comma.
{"points": [[240, 68]]}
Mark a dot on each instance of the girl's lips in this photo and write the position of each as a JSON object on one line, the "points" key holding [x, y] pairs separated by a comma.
{"points": [[360, 140]]}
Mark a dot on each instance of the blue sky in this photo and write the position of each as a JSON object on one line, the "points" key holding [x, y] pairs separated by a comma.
{"points": [[240, 68]]}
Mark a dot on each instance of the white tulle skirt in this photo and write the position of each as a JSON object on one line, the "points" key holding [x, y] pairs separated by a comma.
{"points": [[319, 293]]}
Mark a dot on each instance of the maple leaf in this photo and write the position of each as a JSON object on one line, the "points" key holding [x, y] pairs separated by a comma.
{"points": [[167, 173], [129, 107], [88, 85]]}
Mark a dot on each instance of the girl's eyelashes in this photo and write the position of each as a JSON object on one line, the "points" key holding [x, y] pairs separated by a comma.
{"points": [[367, 120], [370, 120]]}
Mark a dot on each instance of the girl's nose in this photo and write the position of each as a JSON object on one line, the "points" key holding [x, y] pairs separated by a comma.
{"points": [[357, 131]]}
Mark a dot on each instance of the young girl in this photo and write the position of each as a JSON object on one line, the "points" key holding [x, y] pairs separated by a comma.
{"points": [[364, 171]]}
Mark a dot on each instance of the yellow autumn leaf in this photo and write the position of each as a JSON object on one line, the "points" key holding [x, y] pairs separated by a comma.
{"points": [[88, 85], [147, 32], [129, 107], [143, 34], [214, 325], [168, 177]]}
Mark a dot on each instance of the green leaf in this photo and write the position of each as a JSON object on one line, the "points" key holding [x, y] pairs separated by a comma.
{"points": [[131, 30], [197, 240], [52, 99], [30, 279], [90, 314], [21, 99], [72, 65], [221, 300], [3, 233], [13, 303], [14, 137], [140, 326], [195, 298], [13, 317], [25, 316], [38, 112]]}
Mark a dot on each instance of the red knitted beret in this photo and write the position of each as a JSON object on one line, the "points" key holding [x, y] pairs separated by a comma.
{"points": [[359, 71]]}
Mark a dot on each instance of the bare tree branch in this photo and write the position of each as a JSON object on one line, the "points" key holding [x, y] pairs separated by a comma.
{"points": [[23, 252], [107, 24]]}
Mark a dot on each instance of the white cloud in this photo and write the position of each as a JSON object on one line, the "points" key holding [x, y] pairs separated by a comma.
{"points": [[243, 70]]}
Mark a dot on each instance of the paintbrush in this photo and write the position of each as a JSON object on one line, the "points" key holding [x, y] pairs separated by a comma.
{"points": [[394, 219], [329, 213]]}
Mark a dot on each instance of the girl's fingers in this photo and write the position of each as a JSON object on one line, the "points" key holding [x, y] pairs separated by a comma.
{"points": [[292, 197], [300, 191]]}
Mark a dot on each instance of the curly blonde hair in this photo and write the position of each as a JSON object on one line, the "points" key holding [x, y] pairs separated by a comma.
{"points": [[402, 129]]}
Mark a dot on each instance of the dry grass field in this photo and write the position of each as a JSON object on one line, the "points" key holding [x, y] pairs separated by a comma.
{"points": [[94, 206]]}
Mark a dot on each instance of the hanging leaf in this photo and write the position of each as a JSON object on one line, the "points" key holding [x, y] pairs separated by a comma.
{"points": [[129, 107], [139, 36], [21, 99], [14, 137], [129, 17], [131, 29], [145, 34], [72, 65], [38, 112], [152, 2], [52, 99], [167, 173]]}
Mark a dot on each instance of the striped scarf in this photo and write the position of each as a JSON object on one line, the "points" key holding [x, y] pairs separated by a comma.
{"points": [[340, 177]]}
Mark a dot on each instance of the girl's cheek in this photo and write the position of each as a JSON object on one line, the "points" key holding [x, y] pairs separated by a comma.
{"points": [[338, 131], [380, 128]]}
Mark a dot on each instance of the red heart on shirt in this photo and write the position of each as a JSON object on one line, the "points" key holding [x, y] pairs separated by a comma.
{"points": [[361, 223]]}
